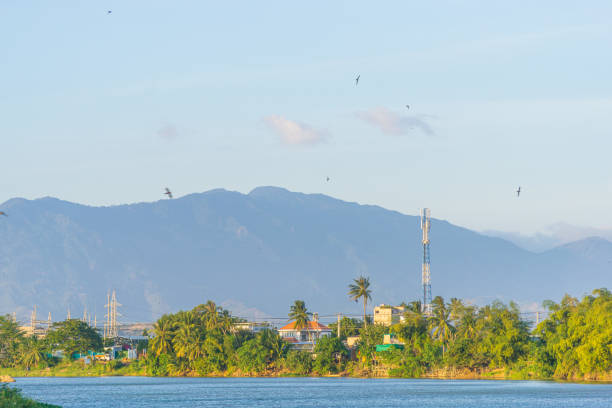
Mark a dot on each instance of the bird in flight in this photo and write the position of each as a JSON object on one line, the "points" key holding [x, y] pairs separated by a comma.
{"points": [[109, 11], [357, 79], [407, 106], [3, 213], [168, 193], [518, 192], [327, 178]]}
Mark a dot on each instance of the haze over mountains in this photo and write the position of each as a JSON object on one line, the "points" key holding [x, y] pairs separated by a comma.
{"points": [[256, 253], [552, 236]]}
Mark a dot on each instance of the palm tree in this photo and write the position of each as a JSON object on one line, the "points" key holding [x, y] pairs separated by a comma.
{"points": [[415, 307], [300, 314], [360, 290], [457, 308], [225, 321], [440, 321], [32, 352], [211, 315], [467, 322], [162, 342]]}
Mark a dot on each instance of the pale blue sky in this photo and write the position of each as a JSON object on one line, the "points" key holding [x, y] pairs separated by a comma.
{"points": [[104, 108]]}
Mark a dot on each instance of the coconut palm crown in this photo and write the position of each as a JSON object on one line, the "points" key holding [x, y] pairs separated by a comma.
{"points": [[360, 290], [300, 314]]}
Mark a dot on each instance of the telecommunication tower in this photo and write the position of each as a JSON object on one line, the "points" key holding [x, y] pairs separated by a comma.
{"points": [[425, 272]]}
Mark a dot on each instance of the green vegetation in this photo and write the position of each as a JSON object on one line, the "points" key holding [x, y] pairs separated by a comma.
{"points": [[299, 314], [577, 336], [360, 289], [18, 351], [457, 339], [574, 342], [11, 398]]}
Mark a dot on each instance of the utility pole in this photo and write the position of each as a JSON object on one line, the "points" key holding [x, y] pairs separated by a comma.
{"points": [[425, 271]]}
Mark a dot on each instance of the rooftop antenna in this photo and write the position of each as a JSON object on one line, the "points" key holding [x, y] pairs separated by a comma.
{"points": [[425, 272]]}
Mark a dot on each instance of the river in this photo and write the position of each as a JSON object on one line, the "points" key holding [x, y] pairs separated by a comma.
{"points": [[310, 392]]}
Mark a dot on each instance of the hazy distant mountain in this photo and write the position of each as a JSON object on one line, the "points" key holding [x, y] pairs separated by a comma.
{"points": [[257, 253], [551, 237]]}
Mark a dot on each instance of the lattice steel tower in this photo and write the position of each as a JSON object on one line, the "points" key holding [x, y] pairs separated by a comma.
{"points": [[111, 328], [425, 272]]}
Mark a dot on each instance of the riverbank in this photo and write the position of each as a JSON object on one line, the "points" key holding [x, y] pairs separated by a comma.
{"points": [[134, 370], [159, 392], [11, 397]]}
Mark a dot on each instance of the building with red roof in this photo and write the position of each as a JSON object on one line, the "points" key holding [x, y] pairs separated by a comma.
{"points": [[306, 337]]}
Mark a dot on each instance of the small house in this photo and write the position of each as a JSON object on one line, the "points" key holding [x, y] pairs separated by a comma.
{"points": [[304, 338]]}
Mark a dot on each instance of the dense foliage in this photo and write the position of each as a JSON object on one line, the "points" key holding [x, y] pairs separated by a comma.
{"points": [[69, 336], [577, 336], [575, 341]]}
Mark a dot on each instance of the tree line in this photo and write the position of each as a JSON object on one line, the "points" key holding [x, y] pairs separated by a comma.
{"points": [[573, 342]]}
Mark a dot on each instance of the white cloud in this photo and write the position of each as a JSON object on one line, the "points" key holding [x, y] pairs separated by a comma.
{"points": [[392, 123], [295, 133], [168, 132]]}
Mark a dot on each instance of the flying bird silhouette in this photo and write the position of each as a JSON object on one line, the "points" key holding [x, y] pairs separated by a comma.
{"points": [[407, 106], [357, 79], [328, 179], [109, 11], [3, 213], [518, 192], [168, 193]]}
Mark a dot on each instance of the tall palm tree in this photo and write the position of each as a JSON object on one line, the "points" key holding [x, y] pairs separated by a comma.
{"points": [[300, 314], [440, 321], [360, 290], [162, 342]]}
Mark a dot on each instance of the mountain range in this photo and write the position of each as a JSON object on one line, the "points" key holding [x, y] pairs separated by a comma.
{"points": [[256, 253]]}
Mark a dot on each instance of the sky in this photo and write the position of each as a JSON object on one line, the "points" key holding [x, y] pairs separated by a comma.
{"points": [[107, 108]]}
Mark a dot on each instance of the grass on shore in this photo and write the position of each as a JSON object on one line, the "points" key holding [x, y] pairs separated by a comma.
{"points": [[11, 397], [78, 369]]}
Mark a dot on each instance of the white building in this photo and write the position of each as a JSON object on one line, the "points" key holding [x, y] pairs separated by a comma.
{"points": [[252, 326], [387, 315], [306, 337]]}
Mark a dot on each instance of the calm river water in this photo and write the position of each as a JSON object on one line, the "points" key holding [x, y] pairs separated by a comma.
{"points": [[310, 392]]}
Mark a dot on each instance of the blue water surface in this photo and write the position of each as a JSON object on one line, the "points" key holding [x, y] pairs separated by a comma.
{"points": [[311, 392]]}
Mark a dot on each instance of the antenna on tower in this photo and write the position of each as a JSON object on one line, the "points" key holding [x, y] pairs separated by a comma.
{"points": [[425, 272]]}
